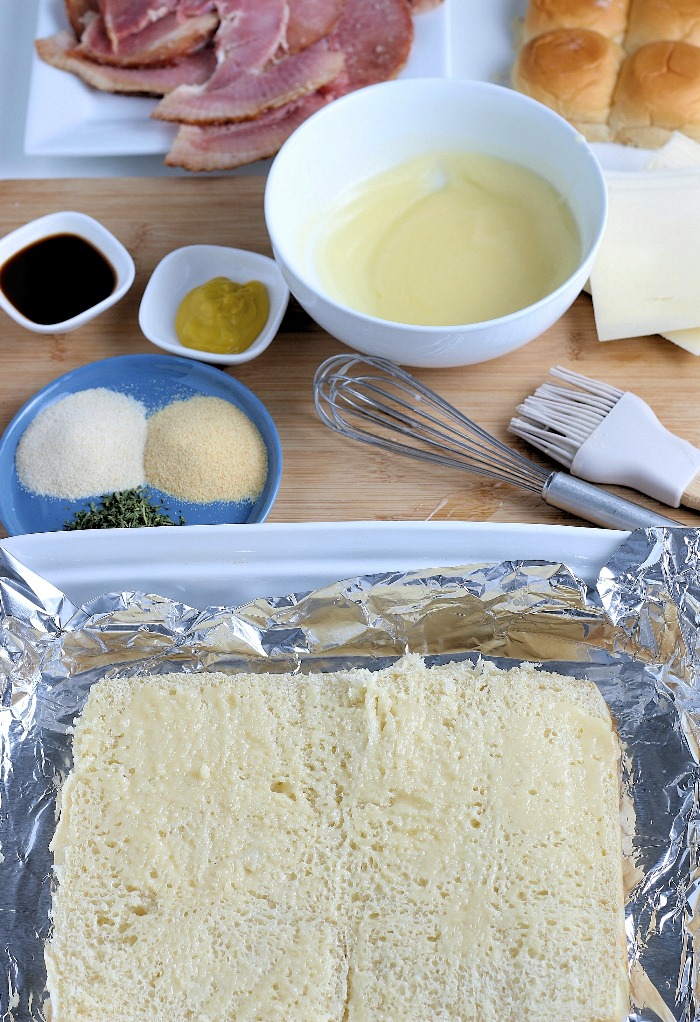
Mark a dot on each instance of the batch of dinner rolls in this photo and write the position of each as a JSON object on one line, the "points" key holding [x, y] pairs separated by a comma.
{"points": [[624, 71]]}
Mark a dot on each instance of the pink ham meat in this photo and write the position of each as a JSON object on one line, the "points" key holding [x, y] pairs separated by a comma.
{"points": [[60, 50], [159, 43], [76, 11], [309, 21], [421, 6], [222, 146], [249, 35], [250, 93], [123, 18], [375, 39]]}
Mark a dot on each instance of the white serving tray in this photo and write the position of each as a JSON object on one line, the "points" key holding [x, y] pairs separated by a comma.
{"points": [[65, 117], [229, 565]]}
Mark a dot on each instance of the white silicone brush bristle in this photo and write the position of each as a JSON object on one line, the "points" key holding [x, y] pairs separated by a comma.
{"points": [[606, 435], [558, 420]]}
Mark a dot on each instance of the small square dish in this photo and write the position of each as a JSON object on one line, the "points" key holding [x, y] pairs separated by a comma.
{"points": [[60, 271], [186, 268]]}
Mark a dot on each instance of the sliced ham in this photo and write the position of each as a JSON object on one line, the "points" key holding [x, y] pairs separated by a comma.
{"points": [[375, 38], [222, 146], [161, 42], [252, 92], [123, 18], [76, 12], [420, 6], [309, 21], [192, 8], [272, 63], [61, 51], [249, 35]]}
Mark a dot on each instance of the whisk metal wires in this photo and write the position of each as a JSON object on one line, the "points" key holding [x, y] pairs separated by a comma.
{"points": [[375, 401]]}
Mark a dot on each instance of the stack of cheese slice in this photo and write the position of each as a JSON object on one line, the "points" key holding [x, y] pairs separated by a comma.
{"points": [[414, 844], [645, 278]]}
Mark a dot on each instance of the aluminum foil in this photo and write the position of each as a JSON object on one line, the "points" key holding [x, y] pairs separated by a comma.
{"points": [[635, 633]]}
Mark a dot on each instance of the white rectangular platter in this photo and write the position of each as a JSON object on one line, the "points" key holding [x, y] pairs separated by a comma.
{"points": [[229, 565], [65, 117]]}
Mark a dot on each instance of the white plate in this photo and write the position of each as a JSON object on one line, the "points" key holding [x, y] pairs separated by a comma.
{"points": [[460, 38], [228, 565], [65, 117]]}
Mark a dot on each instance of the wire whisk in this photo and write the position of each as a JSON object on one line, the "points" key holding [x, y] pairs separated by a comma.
{"points": [[379, 403]]}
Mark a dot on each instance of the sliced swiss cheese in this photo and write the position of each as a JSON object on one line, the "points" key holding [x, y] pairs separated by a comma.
{"points": [[645, 277], [680, 151], [688, 339]]}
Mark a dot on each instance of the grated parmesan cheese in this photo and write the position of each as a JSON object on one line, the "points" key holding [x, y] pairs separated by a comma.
{"points": [[205, 449], [88, 443]]}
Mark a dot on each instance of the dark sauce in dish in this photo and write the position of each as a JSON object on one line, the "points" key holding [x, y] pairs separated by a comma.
{"points": [[56, 278]]}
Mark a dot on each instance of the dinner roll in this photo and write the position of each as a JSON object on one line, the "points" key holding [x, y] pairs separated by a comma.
{"points": [[609, 17], [658, 92], [573, 71], [653, 20]]}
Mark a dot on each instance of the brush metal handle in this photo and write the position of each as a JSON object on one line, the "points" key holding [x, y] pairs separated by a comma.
{"points": [[598, 506]]}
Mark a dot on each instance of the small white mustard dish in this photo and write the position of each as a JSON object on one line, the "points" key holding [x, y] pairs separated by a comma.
{"points": [[186, 268]]}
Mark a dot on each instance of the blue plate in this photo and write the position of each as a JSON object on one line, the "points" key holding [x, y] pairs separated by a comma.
{"points": [[155, 380]]}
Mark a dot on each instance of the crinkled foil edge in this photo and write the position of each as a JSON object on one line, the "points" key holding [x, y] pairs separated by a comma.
{"points": [[636, 633]]}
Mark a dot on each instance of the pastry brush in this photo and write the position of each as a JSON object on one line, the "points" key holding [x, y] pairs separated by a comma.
{"points": [[606, 435]]}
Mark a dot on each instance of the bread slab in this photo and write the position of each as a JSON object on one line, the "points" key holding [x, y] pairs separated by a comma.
{"points": [[637, 94], [417, 844]]}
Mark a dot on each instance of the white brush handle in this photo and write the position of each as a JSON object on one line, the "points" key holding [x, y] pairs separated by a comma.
{"points": [[632, 448]]}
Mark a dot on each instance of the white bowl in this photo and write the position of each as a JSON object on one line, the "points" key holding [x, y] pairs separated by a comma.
{"points": [[90, 230], [187, 268], [373, 129]]}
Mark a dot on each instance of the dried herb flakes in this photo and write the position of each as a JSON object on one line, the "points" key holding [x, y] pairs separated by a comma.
{"points": [[124, 509]]}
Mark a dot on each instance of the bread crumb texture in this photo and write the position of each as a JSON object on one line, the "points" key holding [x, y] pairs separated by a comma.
{"points": [[415, 844], [624, 71], [205, 449]]}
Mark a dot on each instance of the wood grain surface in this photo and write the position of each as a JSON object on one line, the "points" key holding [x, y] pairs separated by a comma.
{"points": [[328, 478]]}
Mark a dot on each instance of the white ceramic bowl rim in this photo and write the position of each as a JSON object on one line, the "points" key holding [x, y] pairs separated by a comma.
{"points": [[360, 96]]}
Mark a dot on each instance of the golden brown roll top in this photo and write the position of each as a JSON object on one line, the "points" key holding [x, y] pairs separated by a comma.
{"points": [[658, 92], [573, 71], [624, 71], [609, 17], [650, 21]]}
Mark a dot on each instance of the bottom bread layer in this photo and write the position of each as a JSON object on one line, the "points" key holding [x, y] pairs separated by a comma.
{"points": [[412, 844]]}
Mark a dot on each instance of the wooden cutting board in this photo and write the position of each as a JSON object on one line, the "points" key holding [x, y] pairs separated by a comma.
{"points": [[328, 478]]}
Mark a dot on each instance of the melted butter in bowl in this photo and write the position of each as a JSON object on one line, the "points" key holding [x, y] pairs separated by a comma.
{"points": [[447, 238], [393, 214]]}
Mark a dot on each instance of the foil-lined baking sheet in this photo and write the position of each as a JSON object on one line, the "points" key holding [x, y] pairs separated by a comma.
{"points": [[635, 633]]}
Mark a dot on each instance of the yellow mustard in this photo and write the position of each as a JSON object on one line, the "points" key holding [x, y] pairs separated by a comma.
{"points": [[222, 316]]}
